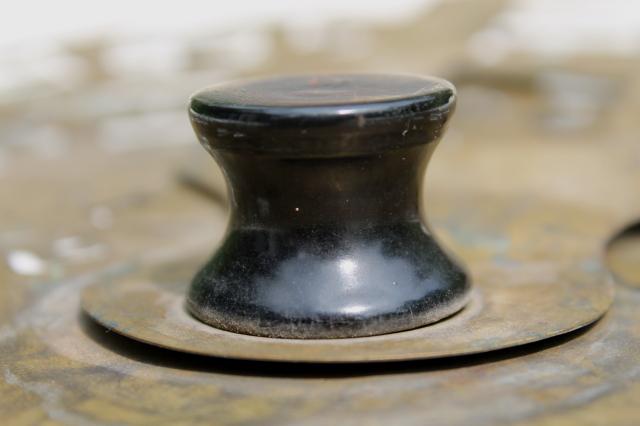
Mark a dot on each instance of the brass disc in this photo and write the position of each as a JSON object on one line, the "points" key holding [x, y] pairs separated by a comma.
{"points": [[532, 282]]}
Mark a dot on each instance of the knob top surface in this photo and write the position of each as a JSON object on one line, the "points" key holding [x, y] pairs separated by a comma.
{"points": [[338, 91], [322, 115]]}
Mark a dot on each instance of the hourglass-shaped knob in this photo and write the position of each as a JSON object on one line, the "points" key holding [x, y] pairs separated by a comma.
{"points": [[327, 235]]}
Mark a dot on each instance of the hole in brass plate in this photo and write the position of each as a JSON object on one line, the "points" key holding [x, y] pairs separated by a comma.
{"points": [[623, 255]]}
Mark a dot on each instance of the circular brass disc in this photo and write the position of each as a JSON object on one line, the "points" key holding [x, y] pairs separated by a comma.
{"points": [[501, 314], [536, 269]]}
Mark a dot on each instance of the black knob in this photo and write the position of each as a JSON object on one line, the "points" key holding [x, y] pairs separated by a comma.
{"points": [[327, 235]]}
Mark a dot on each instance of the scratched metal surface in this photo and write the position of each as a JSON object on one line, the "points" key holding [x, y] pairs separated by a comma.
{"points": [[96, 178], [535, 276]]}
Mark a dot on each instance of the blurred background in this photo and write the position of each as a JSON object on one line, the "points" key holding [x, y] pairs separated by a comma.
{"points": [[116, 75], [93, 97]]}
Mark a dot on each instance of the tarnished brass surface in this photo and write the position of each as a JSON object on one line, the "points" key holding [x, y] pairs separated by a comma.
{"points": [[527, 290], [70, 371], [92, 170]]}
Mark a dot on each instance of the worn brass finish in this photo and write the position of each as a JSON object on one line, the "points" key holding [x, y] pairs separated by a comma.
{"points": [[521, 297], [589, 376], [75, 171]]}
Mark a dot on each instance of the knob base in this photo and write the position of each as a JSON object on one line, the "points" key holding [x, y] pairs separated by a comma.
{"points": [[329, 282]]}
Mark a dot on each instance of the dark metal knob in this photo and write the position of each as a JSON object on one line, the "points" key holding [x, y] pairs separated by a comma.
{"points": [[327, 235]]}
